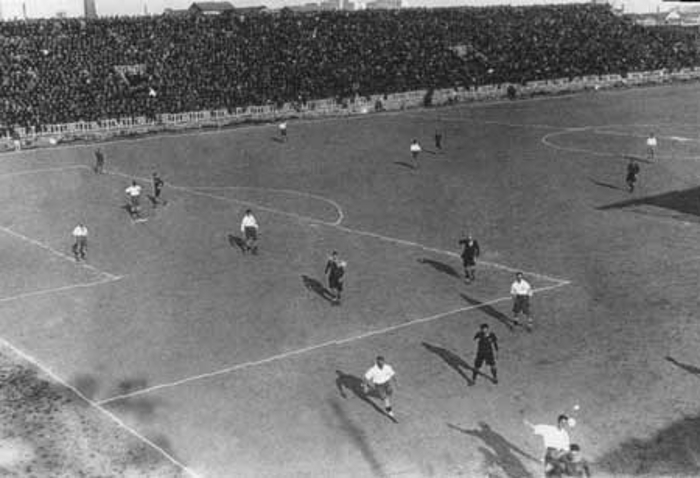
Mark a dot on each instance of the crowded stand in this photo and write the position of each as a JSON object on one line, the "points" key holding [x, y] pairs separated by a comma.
{"points": [[66, 70]]}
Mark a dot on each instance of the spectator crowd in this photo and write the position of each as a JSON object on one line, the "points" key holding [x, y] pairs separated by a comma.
{"points": [[66, 70]]}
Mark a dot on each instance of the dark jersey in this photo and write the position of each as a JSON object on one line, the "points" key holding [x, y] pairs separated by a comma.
{"points": [[470, 249], [334, 270], [157, 184], [99, 157], [486, 344], [632, 171]]}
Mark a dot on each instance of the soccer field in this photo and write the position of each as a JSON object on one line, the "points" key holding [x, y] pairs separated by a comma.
{"points": [[248, 371]]}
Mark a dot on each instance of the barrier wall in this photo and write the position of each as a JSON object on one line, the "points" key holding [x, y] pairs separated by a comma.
{"points": [[96, 130]]}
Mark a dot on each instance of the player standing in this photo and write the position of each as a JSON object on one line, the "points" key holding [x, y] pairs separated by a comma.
{"points": [[487, 351], [80, 235], [249, 228], [283, 131], [651, 146], [470, 251], [438, 140], [415, 151], [158, 184], [556, 443], [379, 378], [335, 270], [521, 292], [632, 171], [99, 161], [133, 194]]}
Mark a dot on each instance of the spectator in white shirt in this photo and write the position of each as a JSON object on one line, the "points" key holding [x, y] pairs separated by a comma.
{"points": [[249, 228], [556, 442], [521, 292], [80, 235], [379, 379]]}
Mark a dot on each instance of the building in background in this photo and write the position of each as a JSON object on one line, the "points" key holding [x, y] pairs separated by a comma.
{"points": [[210, 8], [89, 9]]}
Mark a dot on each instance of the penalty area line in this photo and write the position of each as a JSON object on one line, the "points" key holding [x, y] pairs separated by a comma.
{"points": [[107, 279], [312, 348], [53, 376]]}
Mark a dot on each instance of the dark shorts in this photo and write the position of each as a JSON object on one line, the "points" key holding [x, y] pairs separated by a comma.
{"points": [[335, 283], [134, 201], [384, 390], [480, 359], [631, 178], [251, 233], [521, 304], [468, 261]]}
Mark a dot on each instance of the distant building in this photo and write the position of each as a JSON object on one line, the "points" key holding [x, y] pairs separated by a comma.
{"points": [[383, 5], [210, 8], [89, 9]]}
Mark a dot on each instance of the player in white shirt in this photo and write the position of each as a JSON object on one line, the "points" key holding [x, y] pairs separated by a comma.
{"points": [[651, 146], [521, 292], [556, 441], [415, 151], [379, 379], [249, 228], [133, 194], [283, 131], [80, 235]]}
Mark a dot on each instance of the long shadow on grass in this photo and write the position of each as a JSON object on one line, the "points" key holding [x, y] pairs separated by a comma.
{"points": [[345, 381], [440, 266], [672, 451], [502, 452], [316, 286], [684, 201], [606, 185], [358, 438], [692, 369], [489, 310], [453, 360], [405, 165], [236, 241]]}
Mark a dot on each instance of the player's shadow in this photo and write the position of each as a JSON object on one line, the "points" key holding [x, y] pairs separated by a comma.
{"points": [[489, 310], [502, 452], [454, 361], [346, 382], [236, 241], [439, 266], [692, 369], [315, 286], [683, 201], [607, 185], [405, 164], [277, 139]]}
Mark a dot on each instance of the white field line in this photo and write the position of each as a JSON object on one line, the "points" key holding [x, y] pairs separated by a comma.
{"points": [[56, 253], [320, 346], [95, 405], [461, 119], [337, 225], [41, 170], [105, 280]]}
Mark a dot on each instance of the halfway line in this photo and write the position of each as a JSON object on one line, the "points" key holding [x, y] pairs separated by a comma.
{"points": [[312, 348]]}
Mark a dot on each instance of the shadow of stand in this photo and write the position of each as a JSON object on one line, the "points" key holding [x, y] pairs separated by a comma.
{"points": [[346, 381], [315, 286], [454, 361]]}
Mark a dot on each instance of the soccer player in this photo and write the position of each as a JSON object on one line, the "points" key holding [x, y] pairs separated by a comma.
{"points": [[379, 378], [521, 292], [487, 351], [632, 171], [438, 140], [99, 161], [470, 251], [556, 442], [335, 270], [158, 184], [80, 235], [283, 131], [133, 193], [651, 146], [249, 228], [415, 151], [574, 464]]}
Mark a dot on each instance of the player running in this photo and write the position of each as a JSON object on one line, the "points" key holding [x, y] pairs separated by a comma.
{"points": [[379, 378], [521, 291], [99, 161], [487, 351], [651, 147], [133, 194], [556, 442], [283, 131], [158, 184], [415, 151]]}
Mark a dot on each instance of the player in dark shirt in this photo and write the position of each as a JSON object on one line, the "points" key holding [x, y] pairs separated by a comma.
{"points": [[99, 161], [438, 140], [335, 269], [470, 251], [487, 350], [632, 171], [158, 184]]}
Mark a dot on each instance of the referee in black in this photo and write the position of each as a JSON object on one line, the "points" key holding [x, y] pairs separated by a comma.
{"points": [[470, 251], [487, 351]]}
